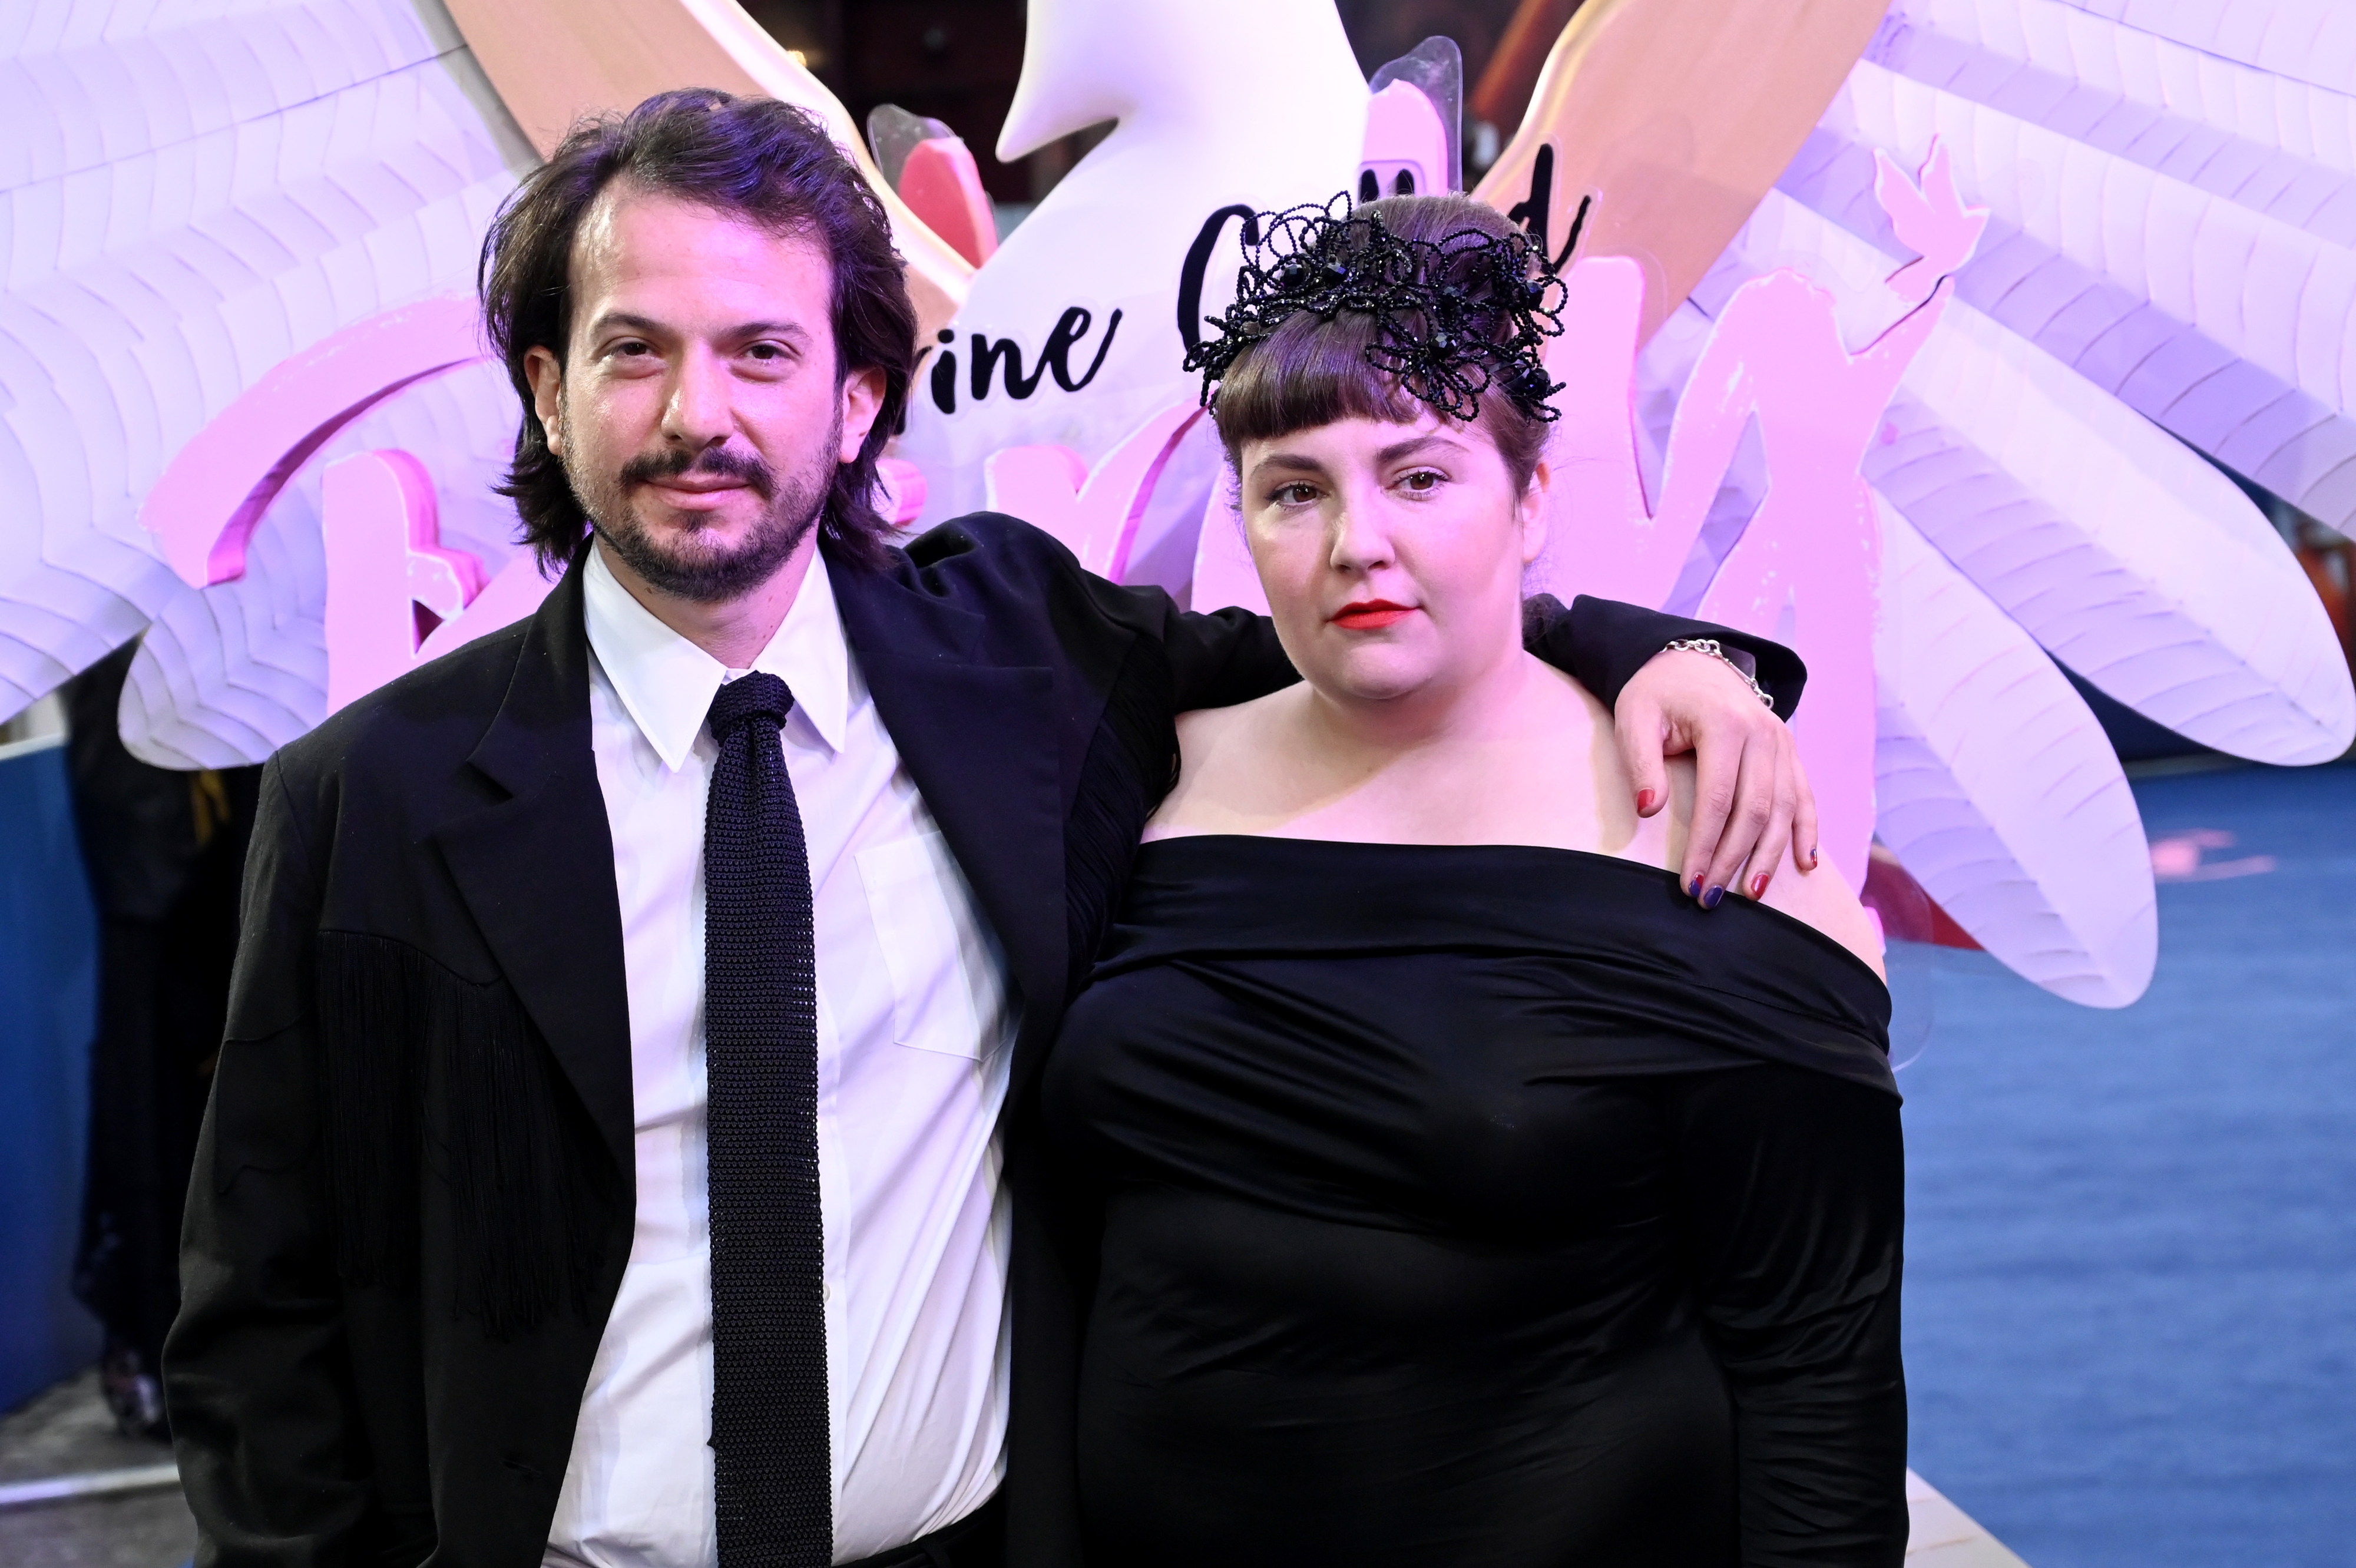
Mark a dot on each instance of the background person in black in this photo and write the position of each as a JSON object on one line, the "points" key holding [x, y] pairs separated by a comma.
{"points": [[162, 848], [414, 1202], [1468, 1198]]}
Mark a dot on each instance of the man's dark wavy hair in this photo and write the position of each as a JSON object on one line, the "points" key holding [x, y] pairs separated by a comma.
{"points": [[769, 162]]}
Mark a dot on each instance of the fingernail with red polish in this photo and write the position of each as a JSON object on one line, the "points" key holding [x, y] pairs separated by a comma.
{"points": [[1643, 800], [1759, 885], [1814, 854], [1709, 899]]}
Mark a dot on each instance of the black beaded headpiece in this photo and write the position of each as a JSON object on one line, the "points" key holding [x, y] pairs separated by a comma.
{"points": [[1454, 317]]}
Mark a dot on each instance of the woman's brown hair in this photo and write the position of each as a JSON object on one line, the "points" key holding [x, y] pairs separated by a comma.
{"points": [[1314, 371]]}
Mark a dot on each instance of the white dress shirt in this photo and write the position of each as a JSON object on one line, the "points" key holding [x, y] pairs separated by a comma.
{"points": [[913, 1042]]}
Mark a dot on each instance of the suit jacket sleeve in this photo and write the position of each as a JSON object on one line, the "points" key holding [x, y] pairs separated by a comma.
{"points": [[256, 1366], [1603, 643], [1232, 656]]}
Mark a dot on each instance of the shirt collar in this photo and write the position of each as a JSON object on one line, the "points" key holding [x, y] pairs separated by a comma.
{"points": [[666, 682]]}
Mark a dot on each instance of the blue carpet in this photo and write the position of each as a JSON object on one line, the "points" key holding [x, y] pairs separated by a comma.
{"points": [[2131, 1287]]}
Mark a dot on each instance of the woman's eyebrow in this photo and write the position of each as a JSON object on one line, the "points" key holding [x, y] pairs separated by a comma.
{"points": [[1289, 462], [1414, 445]]}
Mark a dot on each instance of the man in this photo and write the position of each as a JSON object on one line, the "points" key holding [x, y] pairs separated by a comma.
{"points": [[604, 1162]]}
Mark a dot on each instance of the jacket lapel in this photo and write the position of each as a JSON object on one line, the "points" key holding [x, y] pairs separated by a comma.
{"points": [[980, 741], [536, 868]]}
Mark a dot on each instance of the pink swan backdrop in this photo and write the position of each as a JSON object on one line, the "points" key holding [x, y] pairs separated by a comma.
{"points": [[1921, 344]]}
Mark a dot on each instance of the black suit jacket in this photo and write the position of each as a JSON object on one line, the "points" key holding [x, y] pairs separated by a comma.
{"points": [[413, 1198]]}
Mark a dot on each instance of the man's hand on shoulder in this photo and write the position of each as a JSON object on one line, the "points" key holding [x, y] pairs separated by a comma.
{"points": [[1750, 794]]}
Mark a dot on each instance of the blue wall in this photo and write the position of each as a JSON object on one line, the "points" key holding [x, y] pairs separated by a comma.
{"points": [[48, 997]]}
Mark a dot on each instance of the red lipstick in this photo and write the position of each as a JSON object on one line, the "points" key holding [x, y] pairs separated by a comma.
{"points": [[1369, 615]]}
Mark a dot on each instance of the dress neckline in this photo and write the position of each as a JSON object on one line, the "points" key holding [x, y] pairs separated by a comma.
{"points": [[1456, 859], [1223, 900]]}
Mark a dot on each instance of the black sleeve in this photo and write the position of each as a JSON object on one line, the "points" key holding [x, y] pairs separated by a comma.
{"points": [[1224, 658], [1603, 643], [1791, 1199], [256, 1369], [1232, 656]]}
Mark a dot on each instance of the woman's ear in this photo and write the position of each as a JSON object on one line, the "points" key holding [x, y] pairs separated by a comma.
{"points": [[1533, 510]]}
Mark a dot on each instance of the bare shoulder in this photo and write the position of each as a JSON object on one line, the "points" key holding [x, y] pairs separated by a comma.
{"points": [[1821, 899], [1206, 727], [1558, 695], [1216, 773]]}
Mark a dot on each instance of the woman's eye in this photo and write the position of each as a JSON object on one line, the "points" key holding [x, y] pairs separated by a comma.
{"points": [[1423, 481], [1293, 495]]}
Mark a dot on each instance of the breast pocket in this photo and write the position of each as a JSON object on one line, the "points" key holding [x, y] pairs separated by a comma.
{"points": [[945, 987]]}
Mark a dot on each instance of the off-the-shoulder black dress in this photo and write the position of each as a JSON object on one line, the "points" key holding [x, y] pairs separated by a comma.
{"points": [[1481, 1206]]}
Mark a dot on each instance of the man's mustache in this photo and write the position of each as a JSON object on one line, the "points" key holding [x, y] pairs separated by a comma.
{"points": [[717, 462]]}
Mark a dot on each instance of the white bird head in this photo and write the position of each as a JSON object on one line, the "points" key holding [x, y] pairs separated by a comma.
{"points": [[1203, 65], [1205, 127]]}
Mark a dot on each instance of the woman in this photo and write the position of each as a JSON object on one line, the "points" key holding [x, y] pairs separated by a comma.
{"points": [[1470, 1198]]}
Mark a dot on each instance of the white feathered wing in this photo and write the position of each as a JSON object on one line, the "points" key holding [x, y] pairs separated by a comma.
{"points": [[2167, 273], [192, 192]]}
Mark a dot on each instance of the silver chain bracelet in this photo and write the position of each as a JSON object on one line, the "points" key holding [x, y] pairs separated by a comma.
{"points": [[1709, 645]]}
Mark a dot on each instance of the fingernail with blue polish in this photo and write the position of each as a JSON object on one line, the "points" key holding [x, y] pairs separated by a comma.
{"points": [[1693, 888], [1709, 899]]}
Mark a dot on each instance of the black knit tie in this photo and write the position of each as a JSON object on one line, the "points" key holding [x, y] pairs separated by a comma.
{"points": [[773, 1495]]}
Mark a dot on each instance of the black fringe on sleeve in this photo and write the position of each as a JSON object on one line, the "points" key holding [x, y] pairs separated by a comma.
{"points": [[371, 1030], [1133, 763], [528, 1179]]}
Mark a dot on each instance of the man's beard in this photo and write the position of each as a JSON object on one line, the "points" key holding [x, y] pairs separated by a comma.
{"points": [[696, 570]]}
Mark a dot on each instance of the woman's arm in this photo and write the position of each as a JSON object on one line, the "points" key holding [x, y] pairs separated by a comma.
{"points": [[1792, 1205]]}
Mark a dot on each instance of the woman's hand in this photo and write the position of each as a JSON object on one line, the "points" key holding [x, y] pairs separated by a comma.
{"points": [[1751, 793]]}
